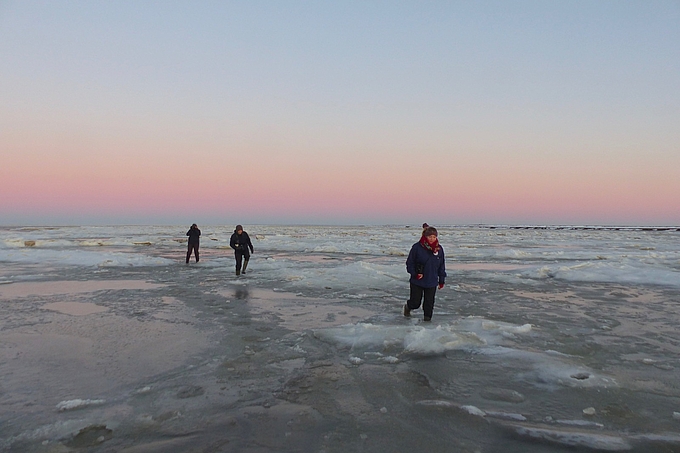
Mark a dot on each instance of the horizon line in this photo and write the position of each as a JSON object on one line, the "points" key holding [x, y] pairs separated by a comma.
{"points": [[356, 225]]}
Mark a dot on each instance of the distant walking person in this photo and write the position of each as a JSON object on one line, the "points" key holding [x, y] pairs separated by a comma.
{"points": [[425, 264], [240, 242], [194, 234]]}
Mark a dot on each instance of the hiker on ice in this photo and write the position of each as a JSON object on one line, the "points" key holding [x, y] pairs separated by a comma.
{"points": [[425, 264], [194, 234], [240, 242]]}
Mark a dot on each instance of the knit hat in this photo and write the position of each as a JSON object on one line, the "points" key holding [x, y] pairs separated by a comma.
{"points": [[238, 227], [429, 231]]}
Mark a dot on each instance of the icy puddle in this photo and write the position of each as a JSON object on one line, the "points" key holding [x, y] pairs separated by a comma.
{"points": [[295, 312], [500, 267], [316, 259], [75, 308], [93, 357], [24, 289], [72, 350]]}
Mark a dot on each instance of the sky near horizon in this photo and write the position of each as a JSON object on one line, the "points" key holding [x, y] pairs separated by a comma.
{"points": [[350, 112]]}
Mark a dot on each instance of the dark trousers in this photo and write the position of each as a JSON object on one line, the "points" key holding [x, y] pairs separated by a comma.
{"points": [[193, 247], [240, 256], [419, 293]]}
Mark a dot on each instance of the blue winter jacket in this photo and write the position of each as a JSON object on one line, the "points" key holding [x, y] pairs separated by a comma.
{"points": [[433, 266]]}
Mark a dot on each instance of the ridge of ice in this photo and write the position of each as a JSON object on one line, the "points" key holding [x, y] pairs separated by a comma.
{"points": [[574, 438], [473, 410], [77, 404]]}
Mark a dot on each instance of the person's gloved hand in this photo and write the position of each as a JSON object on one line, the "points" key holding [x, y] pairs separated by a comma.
{"points": [[419, 276], [441, 285]]}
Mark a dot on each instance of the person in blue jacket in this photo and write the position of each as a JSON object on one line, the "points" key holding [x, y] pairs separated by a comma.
{"points": [[194, 239], [427, 267]]}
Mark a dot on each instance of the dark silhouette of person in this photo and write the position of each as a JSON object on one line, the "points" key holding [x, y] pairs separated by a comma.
{"points": [[240, 242], [194, 234]]}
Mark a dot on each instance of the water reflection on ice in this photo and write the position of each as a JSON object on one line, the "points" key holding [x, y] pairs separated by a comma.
{"points": [[295, 312], [24, 289], [75, 308]]}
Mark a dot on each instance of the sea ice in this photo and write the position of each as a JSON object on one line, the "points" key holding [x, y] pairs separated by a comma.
{"points": [[573, 438], [537, 320], [474, 410], [77, 404]]}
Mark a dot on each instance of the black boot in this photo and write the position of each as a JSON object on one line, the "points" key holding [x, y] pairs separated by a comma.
{"points": [[238, 271], [245, 265]]}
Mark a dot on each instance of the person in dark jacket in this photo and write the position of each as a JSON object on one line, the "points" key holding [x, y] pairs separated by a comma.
{"points": [[240, 242], [194, 234], [427, 267]]}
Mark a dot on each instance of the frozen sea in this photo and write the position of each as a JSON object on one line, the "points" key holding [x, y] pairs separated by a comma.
{"points": [[545, 339]]}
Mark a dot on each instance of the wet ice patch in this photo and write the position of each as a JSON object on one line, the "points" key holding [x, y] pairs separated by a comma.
{"points": [[550, 371], [56, 430], [38, 243], [573, 438], [501, 394], [618, 271], [75, 308], [48, 288], [540, 369], [331, 273], [293, 311], [670, 440], [75, 257]]}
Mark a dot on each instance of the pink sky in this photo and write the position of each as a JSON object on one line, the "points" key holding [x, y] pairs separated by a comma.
{"points": [[103, 180]]}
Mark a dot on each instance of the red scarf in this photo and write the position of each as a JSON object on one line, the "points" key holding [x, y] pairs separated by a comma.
{"points": [[434, 247]]}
